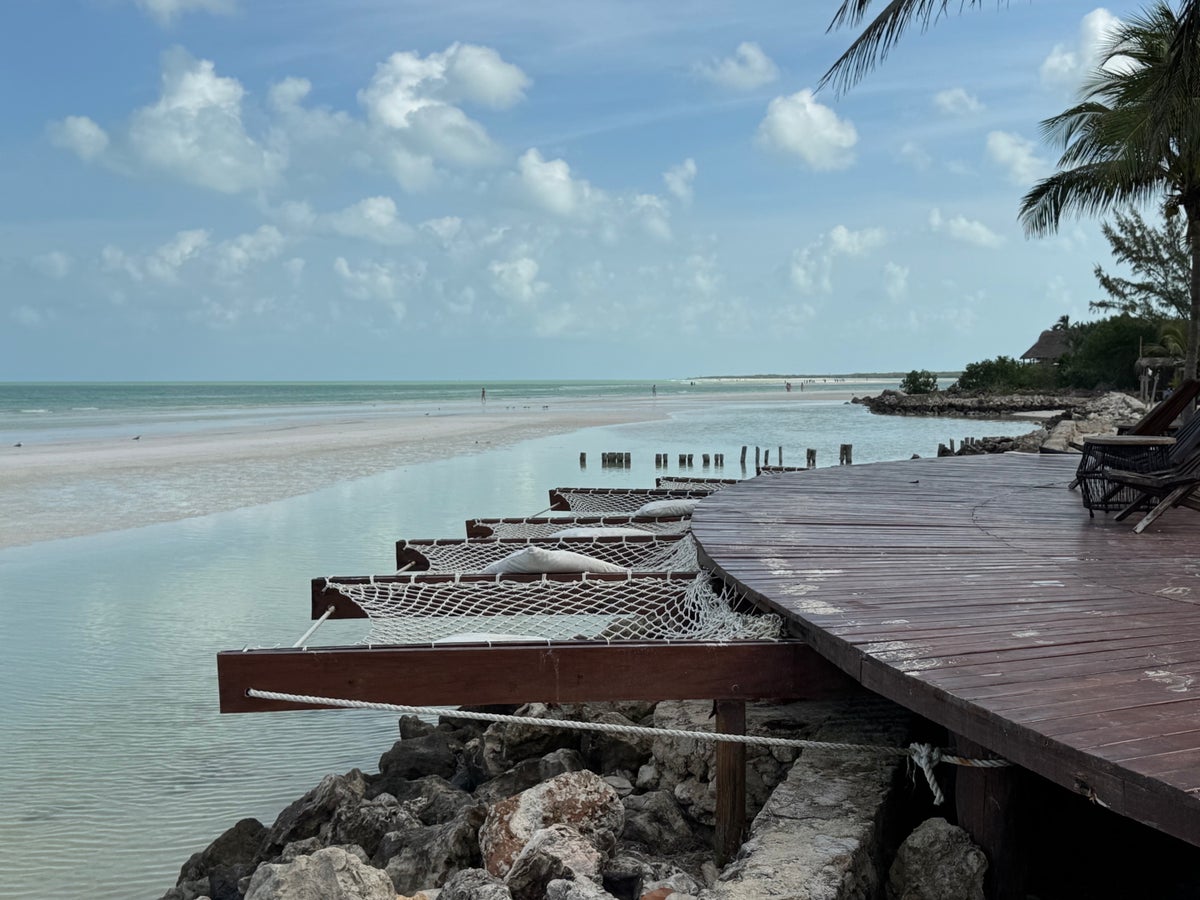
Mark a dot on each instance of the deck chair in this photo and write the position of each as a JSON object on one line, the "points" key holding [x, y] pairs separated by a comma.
{"points": [[1172, 487]]}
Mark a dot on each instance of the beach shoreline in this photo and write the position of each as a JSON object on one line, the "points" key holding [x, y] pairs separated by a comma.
{"points": [[72, 488]]}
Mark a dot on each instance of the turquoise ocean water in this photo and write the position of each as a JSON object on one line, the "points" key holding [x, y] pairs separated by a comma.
{"points": [[117, 764]]}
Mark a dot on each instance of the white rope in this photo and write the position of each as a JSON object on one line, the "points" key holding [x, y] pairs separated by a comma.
{"points": [[924, 756]]}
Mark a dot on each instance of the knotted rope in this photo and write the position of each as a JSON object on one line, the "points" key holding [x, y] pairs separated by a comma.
{"points": [[923, 756]]}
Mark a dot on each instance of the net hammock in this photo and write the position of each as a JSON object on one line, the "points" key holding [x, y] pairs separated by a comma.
{"points": [[652, 553], [543, 527], [609, 501], [586, 607]]}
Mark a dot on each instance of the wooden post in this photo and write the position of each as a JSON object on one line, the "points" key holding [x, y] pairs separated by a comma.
{"points": [[846, 455], [731, 781], [810, 458], [583, 460], [990, 810]]}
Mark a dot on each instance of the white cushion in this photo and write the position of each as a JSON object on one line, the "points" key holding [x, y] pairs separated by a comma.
{"points": [[667, 508], [601, 531], [541, 559]]}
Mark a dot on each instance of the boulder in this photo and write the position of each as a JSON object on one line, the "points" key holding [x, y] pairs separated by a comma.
{"points": [[937, 861], [526, 774], [474, 884], [329, 874], [579, 799], [307, 816], [655, 819], [426, 857], [224, 862], [556, 852], [436, 753]]}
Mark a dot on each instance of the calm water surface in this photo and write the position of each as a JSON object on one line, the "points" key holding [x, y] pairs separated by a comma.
{"points": [[117, 764]]}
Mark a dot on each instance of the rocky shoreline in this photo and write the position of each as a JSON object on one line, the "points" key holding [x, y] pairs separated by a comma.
{"points": [[458, 811]]}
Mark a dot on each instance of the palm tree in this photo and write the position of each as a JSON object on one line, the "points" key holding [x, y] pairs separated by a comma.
{"points": [[1134, 138], [897, 15]]}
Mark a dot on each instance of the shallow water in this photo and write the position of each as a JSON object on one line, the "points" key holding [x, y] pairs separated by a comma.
{"points": [[117, 764]]}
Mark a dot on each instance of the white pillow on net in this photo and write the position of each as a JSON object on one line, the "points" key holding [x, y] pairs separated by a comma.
{"points": [[667, 508], [541, 559], [601, 531]]}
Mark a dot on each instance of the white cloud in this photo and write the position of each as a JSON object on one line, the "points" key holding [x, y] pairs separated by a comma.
{"points": [[80, 135], [548, 183], [414, 97], [516, 280], [235, 256], [1016, 154], [195, 130], [895, 280], [957, 102], [54, 264], [678, 179], [1068, 64], [166, 11], [800, 126], [371, 219], [747, 69], [969, 231]]}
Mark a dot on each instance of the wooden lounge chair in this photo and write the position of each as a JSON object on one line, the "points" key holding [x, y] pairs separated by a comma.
{"points": [[1172, 487]]}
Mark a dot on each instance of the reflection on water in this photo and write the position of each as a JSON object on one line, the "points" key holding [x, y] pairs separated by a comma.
{"points": [[117, 764]]}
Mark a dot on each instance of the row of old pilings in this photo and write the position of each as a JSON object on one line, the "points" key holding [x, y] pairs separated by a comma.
{"points": [[762, 457]]}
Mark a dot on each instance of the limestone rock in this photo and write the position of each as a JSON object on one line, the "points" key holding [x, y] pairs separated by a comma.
{"points": [[527, 773], [305, 817], [426, 857], [937, 861], [329, 874], [435, 753], [556, 852], [655, 819], [225, 861], [474, 884], [579, 799]]}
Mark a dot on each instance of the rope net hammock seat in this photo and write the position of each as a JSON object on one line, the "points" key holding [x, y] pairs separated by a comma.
{"points": [[658, 553], [617, 501], [538, 526], [422, 609]]}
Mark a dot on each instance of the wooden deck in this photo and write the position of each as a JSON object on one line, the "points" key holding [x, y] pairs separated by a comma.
{"points": [[977, 592]]}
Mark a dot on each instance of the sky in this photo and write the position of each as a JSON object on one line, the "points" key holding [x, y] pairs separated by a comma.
{"points": [[475, 189]]}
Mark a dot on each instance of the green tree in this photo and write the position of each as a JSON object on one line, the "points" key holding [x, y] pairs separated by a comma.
{"points": [[919, 381], [1133, 138], [1157, 256]]}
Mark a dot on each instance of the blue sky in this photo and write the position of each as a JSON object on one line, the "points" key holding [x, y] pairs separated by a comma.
{"points": [[373, 189]]}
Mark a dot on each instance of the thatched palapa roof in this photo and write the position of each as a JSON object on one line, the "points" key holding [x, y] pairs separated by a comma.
{"points": [[1050, 346]]}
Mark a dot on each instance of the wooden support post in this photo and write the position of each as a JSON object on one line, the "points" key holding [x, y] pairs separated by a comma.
{"points": [[810, 458], [989, 809], [731, 781]]}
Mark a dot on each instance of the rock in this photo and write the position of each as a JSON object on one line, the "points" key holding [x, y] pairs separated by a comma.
{"points": [[366, 822], [474, 884], [820, 834], [579, 799], [506, 744], [426, 857], [526, 774], [655, 819], [305, 817], [937, 861], [434, 754], [432, 799], [329, 874], [224, 862], [556, 852], [561, 889]]}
